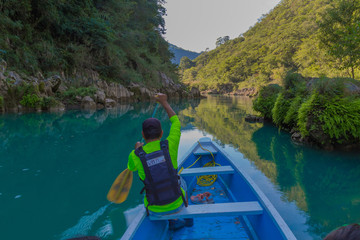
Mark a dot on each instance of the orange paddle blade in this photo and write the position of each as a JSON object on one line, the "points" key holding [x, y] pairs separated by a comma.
{"points": [[121, 187]]}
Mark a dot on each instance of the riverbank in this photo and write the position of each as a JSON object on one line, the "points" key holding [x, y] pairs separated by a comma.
{"points": [[247, 91], [23, 93], [318, 111]]}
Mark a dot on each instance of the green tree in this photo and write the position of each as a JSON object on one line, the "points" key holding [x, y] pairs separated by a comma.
{"points": [[222, 40], [340, 33], [186, 63]]}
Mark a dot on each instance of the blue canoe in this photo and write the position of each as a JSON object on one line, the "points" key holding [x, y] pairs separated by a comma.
{"points": [[236, 208]]}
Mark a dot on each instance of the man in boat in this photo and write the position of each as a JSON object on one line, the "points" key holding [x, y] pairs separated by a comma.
{"points": [[156, 163]]}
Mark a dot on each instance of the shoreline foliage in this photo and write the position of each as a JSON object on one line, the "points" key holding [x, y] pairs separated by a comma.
{"points": [[265, 102], [73, 92], [31, 101], [30, 96], [326, 111], [120, 39]]}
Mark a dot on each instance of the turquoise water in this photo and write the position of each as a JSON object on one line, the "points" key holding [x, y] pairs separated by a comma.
{"points": [[56, 169]]}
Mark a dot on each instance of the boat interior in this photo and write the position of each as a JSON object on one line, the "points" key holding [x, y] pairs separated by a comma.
{"points": [[211, 193], [224, 204]]}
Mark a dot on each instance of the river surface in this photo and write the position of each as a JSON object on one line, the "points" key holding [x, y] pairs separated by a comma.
{"points": [[56, 169]]}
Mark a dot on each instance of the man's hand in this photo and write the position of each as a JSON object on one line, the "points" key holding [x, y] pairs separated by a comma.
{"points": [[161, 98], [138, 144]]}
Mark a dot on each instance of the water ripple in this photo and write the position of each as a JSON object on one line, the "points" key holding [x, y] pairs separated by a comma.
{"points": [[83, 227]]}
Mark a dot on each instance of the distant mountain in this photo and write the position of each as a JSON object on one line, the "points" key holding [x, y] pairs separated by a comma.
{"points": [[179, 53]]}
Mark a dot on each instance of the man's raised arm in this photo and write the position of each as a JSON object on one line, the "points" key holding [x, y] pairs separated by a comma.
{"points": [[162, 99]]}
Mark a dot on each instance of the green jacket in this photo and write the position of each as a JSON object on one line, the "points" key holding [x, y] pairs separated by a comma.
{"points": [[134, 163]]}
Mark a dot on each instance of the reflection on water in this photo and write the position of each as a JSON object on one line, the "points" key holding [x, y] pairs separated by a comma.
{"points": [[325, 185], [55, 169]]}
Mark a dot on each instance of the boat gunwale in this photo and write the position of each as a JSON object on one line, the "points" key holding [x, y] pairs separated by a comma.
{"points": [[134, 226], [268, 206]]}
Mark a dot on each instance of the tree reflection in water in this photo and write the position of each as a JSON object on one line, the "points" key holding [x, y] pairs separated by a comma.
{"points": [[325, 185]]}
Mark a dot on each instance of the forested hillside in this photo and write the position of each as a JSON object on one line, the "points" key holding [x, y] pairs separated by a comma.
{"points": [[119, 39], [287, 38], [180, 52]]}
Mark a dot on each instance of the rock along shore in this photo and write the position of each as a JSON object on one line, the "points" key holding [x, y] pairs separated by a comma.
{"points": [[21, 93]]}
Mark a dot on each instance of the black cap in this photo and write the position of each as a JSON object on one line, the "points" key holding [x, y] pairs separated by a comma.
{"points": [[151, 128]]}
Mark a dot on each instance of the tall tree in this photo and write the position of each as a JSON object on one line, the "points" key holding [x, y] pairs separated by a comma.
{"points": [[340, 33], [222, 40]]}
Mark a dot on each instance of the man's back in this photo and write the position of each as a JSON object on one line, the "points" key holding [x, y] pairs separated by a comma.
{"points": [[134, 163], [153, 145]]}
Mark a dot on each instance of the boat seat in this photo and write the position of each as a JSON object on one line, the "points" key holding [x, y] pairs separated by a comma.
{"points": [[199, 151], [211, 210], [207, 171]]}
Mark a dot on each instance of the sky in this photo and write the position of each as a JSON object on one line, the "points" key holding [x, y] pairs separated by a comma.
{"points": [[196, 24]]}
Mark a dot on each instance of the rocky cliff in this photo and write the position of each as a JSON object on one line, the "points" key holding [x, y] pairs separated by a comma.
{"points": [[20, 92]]}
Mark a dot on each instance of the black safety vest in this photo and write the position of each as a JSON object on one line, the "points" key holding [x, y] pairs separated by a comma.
{"points": [[161, 179]]}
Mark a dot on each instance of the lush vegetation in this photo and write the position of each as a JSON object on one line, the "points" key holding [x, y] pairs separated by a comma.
{"points": [[120, 39], [302, 36], [31, 101], [340, 33], [325, 110], [30, 96], [266, 100], [72, 93]]}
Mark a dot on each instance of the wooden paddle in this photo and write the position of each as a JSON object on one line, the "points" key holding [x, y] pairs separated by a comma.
{"points": [[121, 187]]}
